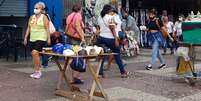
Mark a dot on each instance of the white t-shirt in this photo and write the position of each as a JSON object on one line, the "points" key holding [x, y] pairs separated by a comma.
{"points": [[178, 28], [170, 27], [118, 22], [104, 26]]}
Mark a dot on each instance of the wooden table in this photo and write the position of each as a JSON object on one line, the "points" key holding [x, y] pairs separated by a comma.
{"points": [[75, 92]]}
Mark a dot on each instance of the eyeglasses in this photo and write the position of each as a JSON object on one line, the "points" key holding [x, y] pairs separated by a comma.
{"points": [[36, 8]]}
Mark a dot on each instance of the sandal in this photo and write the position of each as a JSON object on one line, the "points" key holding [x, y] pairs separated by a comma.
{"points": [[77, 81], [125, 74]]}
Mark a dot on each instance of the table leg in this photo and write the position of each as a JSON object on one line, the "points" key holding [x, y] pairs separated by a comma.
{"points": [[94, 83], [96, 80], [62, 72], [192, 56]]}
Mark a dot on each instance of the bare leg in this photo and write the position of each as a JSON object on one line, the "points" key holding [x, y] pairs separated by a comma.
{"points": [[36, 60]]}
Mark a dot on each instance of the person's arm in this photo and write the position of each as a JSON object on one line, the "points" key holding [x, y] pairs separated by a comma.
{"points": [[112, 28], [175, 31], [79, 28], [164, 29], [27, 32], [46, 24]]}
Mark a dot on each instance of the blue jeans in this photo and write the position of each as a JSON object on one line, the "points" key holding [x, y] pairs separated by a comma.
{"points": [[45, 60], [156, 53], [110, 43]]}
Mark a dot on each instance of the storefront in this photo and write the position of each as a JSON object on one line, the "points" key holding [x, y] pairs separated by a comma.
{"points": [[173, 7], [18, 11]]}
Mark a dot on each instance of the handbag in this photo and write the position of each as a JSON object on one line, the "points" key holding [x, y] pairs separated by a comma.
{"points": [[69, 31], [78, 64], [51, 27], [164, 32]]}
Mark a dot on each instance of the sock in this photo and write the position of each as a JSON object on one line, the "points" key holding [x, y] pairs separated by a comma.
{"points": [[149, 65]]}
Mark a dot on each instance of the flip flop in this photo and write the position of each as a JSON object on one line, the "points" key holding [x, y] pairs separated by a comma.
{"points": [[77, 81]]}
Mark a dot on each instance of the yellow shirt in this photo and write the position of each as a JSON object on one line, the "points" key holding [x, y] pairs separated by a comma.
{"points": [[37, 29]]}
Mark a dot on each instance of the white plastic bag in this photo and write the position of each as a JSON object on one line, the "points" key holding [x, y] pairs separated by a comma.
{"points": [[183, 51]]}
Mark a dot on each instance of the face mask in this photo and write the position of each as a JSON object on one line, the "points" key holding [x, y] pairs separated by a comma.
{"points": [[151, 18], [180, 19], [37, 11]]}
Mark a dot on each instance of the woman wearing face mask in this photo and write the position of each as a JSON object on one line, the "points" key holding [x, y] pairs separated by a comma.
{"points": [[178, 30], [156, 39], [38, 27]]}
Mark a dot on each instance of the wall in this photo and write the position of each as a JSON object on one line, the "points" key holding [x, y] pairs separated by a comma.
{"points": [[55, 10]]}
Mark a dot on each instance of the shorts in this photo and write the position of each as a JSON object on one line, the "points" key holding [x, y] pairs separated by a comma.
{"points": [[37, 45]]}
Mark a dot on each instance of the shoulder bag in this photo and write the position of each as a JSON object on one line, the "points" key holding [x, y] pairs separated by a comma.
{"points": [[70, 33]]}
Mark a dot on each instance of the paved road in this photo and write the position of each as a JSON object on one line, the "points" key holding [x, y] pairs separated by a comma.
{"points": [[142, 85]]}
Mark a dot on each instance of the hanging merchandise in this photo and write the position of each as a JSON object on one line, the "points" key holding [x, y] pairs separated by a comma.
{"points": [[141, 16], [99, 6], [78, 64], [89, 13]]}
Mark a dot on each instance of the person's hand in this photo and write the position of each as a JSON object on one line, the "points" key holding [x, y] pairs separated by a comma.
{"points": [[83, 40], [25, 42], [116, 42]]}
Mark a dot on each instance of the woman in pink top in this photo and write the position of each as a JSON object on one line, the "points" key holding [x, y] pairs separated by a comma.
{"points": [[75, 33]]}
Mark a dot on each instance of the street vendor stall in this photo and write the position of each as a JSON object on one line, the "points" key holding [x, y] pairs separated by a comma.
{"points": [[191, 39], [74, 92]]}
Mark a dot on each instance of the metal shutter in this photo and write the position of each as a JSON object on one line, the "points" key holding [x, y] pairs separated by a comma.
{"points": [[16, 8]]}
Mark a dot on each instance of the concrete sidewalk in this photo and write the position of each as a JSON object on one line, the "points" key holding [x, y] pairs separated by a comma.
{"points": [[142, 85]]}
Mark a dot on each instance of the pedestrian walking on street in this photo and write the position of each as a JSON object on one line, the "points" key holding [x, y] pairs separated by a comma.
{"points": [[75, 33], [38, 28], [45, 58], [109, 36], [156, 39], [178, 37], [169, 27]]}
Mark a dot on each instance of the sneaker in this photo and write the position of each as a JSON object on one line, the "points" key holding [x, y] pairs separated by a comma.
{"points": [[148, 67], [33, 74], [36, 75], [125, 74], [162, 66]]}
